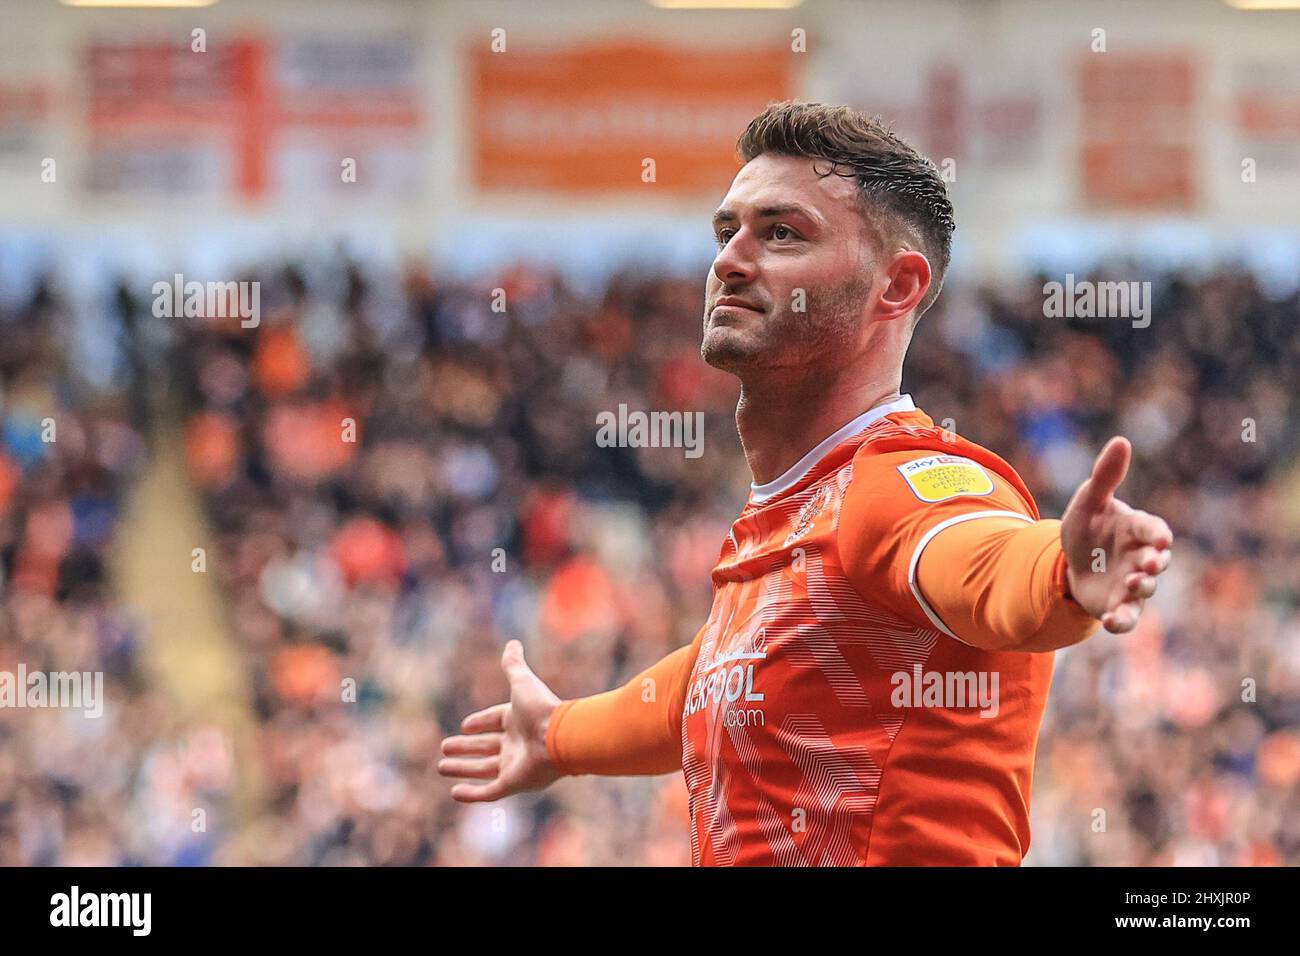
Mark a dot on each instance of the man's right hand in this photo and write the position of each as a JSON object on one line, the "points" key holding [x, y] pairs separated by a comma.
{"points": [[504, 745]]}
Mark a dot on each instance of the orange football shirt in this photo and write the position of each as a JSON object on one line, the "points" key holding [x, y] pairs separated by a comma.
{"points": [[830, 716]]}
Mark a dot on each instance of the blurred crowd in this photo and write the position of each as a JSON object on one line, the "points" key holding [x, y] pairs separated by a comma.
{"points": [[400, 474], [1178, 744], [119, 787]]}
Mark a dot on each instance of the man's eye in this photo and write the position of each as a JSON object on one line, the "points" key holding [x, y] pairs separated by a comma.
{"points": [[779, 232]]}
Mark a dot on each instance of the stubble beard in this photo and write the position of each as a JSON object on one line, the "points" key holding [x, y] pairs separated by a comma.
{"points": [[793, 344]]}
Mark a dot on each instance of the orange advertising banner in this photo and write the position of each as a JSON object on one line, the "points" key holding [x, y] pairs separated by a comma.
{"points": [[1138, 130], [609, 115]]}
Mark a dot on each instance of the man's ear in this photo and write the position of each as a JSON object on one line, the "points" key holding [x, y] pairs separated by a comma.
{"points": [[909, 279]]}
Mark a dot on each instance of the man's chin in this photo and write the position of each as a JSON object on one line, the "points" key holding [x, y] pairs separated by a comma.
{"points": [[726, 350]]}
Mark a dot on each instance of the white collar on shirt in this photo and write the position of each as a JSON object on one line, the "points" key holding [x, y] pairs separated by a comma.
{"points": [[761, 493]]}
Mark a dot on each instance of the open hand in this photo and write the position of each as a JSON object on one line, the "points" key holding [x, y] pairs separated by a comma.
{"points": [[504, 745], [1134, 544]]}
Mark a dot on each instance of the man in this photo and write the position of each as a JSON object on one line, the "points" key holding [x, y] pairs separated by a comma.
{"points": [[869, 685]]}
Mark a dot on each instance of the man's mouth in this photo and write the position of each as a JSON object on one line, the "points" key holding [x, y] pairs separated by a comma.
{"points": [[734, 302]]}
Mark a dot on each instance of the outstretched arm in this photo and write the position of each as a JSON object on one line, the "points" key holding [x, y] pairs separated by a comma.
{"points": [[636, 729], [534, 738], [1004, 584], [965, 552]]}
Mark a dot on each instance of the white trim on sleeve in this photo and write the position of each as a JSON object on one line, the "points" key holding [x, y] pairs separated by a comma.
{"points": [[916, 560]]}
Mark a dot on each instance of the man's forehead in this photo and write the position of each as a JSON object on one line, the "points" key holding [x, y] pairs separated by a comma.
{"points": [[770, 181]]}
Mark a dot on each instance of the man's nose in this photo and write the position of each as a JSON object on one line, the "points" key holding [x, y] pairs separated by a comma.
{"points": [[734, 263]]}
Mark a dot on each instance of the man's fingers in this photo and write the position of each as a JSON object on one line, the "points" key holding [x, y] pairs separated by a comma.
{"points": [[1123, 618], [1140, 585], [486, 721], [1108, 470], [1152, 530], [1150, 560], [479, 792], [479, 745], [476, 768], [513, 663]]}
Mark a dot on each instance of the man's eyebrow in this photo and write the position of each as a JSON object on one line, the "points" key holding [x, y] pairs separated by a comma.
{"points": [[766, 212]]}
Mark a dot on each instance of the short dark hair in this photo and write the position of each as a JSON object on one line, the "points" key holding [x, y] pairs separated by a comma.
{"points": [[893, 178]]}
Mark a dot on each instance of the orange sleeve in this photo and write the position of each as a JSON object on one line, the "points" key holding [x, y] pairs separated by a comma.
{"points": [[635, 729], [1000, 584], [976, 563]]}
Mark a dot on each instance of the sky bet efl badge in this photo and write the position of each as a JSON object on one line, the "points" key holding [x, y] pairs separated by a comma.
{"points": [[940, 477]]}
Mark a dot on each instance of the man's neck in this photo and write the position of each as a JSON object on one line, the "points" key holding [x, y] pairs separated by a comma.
{"points": [[779, 424]]}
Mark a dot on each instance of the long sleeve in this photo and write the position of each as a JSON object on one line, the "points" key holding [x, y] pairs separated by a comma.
{"points": [[999, 584], [632, 730]]}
